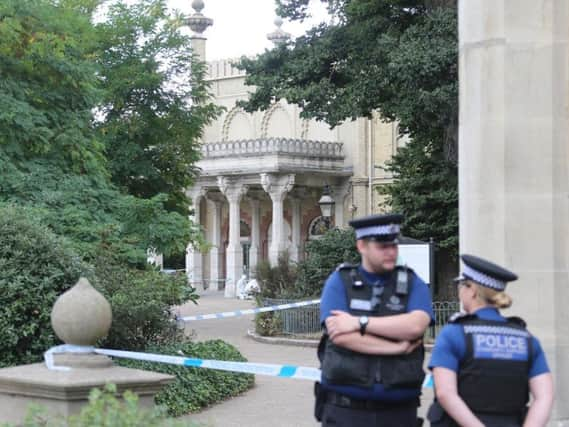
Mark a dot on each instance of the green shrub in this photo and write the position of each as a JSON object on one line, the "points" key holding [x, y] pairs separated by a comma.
{"points": [[141, 301], [323, 256], [268, 324], [36, 267], [195, 388], [278, 281], [105, 409]]}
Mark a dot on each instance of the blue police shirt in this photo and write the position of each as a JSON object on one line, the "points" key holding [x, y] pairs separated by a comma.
{"points": [[450, 346], [334, 298]]}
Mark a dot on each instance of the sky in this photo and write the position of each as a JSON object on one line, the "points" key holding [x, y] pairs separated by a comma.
{"points": [[240, 27]]}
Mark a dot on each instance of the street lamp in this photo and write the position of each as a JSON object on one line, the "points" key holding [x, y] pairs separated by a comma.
{"points": [[326, 203]]}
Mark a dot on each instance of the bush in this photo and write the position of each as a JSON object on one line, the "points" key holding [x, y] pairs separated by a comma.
{"points": [[278, 281], [104, 409], [324, 255], [141, 301], [195, 388], [268, 324], [37, 266]]}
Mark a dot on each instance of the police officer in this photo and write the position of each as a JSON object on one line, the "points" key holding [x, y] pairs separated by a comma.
{"points": [[485, 365], [371, 353]]}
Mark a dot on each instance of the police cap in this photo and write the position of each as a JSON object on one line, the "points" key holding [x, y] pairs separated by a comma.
{"points": [[381, 228], [485, 273]]}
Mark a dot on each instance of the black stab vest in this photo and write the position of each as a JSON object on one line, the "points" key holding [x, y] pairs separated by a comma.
{"points": [[341, 366], [493, 377]]}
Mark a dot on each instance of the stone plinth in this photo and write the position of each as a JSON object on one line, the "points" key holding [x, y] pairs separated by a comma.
{"points": [[65, 393], [79, 317]]}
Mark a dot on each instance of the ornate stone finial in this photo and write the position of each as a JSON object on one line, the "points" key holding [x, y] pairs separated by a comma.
{"points": [[81, 315], [198, 22], [198, 5], [278, 36]]}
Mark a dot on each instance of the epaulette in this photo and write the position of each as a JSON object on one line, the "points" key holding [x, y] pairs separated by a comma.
{"points": [[460, 316], [405, 267], [517, 321], [346, 266]]}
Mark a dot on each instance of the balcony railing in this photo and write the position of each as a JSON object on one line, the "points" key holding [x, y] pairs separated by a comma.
{"points": [[284, 146]]}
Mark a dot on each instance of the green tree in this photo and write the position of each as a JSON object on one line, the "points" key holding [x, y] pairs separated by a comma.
{"points": [[48, 85], [67, 109], [156, 101], [398, 57]]}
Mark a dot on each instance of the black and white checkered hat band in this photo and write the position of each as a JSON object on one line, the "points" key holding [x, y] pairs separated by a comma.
{"points": [[377, 230], [483, 279]]}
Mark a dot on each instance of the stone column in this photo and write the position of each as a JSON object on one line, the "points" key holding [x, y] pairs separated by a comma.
{"points": [[296, 198], [277, 186], [194, 257], [234, 190], [513, 164], [214, 252], [339, 194], [255, 250]]}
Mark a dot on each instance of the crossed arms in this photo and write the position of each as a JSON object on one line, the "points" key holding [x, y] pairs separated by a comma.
{"points": [[385, 335]]}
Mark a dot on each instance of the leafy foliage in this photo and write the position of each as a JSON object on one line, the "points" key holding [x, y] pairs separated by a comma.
{"points": [[426, 193], [105, 409], [278, 281], [398, 57], [48, 85], [196, 388], [141, 303], [155, 102], [36, 267], [73, 94], [323, 256]]}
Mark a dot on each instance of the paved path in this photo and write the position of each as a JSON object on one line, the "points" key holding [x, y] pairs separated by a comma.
{"points": [[274, 402]]}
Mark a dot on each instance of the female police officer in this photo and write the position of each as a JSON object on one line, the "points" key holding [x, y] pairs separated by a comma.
{"points": [[485, 365]]}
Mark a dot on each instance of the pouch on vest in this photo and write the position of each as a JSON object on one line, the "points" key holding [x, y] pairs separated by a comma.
{"points": [[347, 367], [403, 370]]}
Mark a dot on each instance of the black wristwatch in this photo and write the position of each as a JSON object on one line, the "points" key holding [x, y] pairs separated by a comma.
{"points": [[364, 320]]}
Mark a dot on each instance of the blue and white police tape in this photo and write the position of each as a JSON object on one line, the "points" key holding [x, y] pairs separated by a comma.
{"points": [[236, 313], [282, 371], [268, 369], [429, 381]]}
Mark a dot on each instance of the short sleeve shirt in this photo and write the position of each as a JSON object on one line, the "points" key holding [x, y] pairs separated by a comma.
{"points": [[334, 298]]}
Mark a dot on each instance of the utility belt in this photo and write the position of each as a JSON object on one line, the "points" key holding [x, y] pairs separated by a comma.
{"points": [[338, 399]]}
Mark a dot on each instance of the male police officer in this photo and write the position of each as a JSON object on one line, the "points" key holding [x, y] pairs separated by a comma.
{"points": [[375, 315], [485, 365]]}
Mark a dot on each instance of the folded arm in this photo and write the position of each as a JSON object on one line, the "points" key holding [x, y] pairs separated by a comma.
{"points": [[408, 326], [369, 344]]}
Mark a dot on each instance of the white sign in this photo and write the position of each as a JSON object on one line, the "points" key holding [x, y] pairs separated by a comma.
{"points": [[417, 257]]}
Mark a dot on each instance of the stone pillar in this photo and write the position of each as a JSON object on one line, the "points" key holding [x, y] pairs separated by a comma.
{"points": [[234, 190], [277, 186], [215, 251], [255, 250], [339, 194], [80, 317], [513, 164], [194, 257], [296, 249]]}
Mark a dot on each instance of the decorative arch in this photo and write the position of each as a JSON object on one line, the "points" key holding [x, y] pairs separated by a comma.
{"points": [[318, 227], [277, 114], [239, 116]]}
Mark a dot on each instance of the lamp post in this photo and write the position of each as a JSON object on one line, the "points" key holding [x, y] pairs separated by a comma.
{"points": [[326, 203]]}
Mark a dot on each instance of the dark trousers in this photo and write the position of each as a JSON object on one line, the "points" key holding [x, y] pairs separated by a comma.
{"points": [[336, 416]]}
